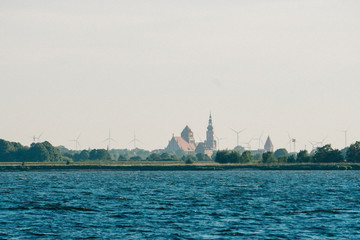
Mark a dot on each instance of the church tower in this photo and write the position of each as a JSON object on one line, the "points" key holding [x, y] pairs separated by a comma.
{"points": [[188, 135], [210, 142]]}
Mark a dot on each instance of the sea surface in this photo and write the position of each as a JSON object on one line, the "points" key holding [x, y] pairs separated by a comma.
{"points": [[180, 205]]}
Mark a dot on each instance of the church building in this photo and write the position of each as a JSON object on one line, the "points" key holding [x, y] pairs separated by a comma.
{"points": [[186, 142]]}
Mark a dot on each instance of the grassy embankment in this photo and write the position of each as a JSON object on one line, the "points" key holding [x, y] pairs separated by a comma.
{"points": [[169, 165]]}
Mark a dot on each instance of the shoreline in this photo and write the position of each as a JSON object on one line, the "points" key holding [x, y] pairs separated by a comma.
{"points": [[11, 167]]}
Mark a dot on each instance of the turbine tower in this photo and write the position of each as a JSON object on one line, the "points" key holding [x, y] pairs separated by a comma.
{"points": [[109, 139], [237, 135], [37, 138], [77, 143], [248, 144], [134, 140], [259, 139], [290, 142], [218, 141], [345, 133]]}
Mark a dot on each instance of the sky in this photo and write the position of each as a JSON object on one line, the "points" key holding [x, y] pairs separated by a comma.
{"points": [[275, 68]]}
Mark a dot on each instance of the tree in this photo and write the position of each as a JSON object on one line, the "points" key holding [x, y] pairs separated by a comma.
{"points": [[38, 153], [122, 158], [135, 158], [239, 149], [225, 156], [54, 153], [258, 157], [268, 157], [153, 157], [327, 154], [84, 155], [303, 156], [291, 158], [202, 157], [234, 157], [353, 152], [165, 156], [281, 152], [189, 157], [246, 157], [99, 154], [11, 151], [189, 160]]}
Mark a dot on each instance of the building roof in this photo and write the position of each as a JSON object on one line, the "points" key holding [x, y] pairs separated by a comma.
{"points": [[268, 145], [184, 145]]}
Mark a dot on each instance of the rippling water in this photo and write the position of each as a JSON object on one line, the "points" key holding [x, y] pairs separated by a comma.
{"points": [[180, 205]]}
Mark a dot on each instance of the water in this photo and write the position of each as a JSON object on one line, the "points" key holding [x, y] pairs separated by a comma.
{"points": [[180, 205]]}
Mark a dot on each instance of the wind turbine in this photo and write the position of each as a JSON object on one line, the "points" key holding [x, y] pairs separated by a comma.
{"points": [[345, 133], [259, 139], [134, 140], [76, 140], [292, 140], [109, 139], [237, 135], [218, 141], [248, 143], [37, 138], [313, 145], [321, 143], [316, 144]]}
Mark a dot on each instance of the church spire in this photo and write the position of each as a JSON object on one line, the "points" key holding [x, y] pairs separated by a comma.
{"points": [[210, 142]]}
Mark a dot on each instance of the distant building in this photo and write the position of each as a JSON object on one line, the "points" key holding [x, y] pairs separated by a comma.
{"points": [[209, 146], [269, 147], [186, 142]]}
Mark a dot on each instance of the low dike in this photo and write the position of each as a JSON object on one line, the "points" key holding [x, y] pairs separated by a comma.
{"points": [[172, 167]]}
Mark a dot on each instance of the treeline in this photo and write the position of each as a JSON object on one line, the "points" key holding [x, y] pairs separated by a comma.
{"points": [[325, 154], [45, 152], [37, 152]]}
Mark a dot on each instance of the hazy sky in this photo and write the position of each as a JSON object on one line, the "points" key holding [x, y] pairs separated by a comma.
{"points": [[272, 66]]}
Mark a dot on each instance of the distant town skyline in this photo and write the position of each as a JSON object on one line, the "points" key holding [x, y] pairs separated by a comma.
{"points": [[281, 68]]}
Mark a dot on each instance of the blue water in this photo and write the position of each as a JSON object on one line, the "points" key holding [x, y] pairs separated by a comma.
{"points": [[180, 205]]}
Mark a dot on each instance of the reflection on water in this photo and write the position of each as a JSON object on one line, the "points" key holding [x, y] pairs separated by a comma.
{"points": [[180, 205]]}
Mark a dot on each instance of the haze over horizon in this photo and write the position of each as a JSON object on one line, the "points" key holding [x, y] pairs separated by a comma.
{"points": [[278, 67]]}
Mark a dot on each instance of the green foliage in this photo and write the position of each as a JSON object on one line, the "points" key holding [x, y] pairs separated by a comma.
{"points": [[225, 156], [189, 160], [135, 158], [291, 158], [84, 155], [154, 157], [282, 159], [54, 153], [239, 149], [99, 154], [122, 158], [126, 154], [281, 152], [202, 157], [165, 156], [303, 157], [353, 153], [12, 152], [189, 157], [258, 157], [246, 157], [268, 157], [38, 153], [326, 154]]}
